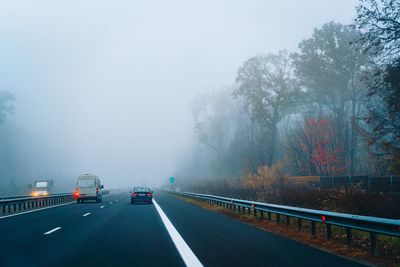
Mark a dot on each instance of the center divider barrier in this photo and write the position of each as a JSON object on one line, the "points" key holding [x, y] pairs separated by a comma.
{"points": [[12, 205]]}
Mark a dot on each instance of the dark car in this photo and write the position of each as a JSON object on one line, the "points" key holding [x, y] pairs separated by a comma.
{"points": [[141, 194]]}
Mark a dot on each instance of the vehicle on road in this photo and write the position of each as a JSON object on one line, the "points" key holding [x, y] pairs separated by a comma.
{"points": [[42, 188], [141, 194], [88, 187]]}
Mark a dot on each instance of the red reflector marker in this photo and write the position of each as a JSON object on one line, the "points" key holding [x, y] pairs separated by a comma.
{"points": [[252, 205], [323, 218]]}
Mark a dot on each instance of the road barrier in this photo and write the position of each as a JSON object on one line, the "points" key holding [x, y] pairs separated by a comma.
{"points": [[372, 225], [11, 205], [377, 184]]}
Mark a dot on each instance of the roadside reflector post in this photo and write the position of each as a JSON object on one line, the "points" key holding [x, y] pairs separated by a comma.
{"points": [[349, 236], [299, 224], [328, 231], [372, 239], [313, 228], [287, 220]]}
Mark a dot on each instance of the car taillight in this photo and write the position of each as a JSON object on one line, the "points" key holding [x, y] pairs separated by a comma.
{"points": [[134, 194], [76, 194], [148, 194]]}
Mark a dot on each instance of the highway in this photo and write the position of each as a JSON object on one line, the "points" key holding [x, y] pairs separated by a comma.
{"points": [[116, 233]]}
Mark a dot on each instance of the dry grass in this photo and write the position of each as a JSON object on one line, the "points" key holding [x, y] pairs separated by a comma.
{"points": [[388, 248]]}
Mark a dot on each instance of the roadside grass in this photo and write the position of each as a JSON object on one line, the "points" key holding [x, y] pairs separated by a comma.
{"points": [[386, 254]]}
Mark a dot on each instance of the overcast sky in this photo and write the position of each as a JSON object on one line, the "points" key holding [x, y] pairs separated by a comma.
{"points": [[109, 83]]}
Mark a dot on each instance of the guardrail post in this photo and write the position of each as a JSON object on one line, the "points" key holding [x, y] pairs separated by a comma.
{"points": [[287, 220], [278, 218], [313, 228], [349, 236], [255, 212], [269, 216], [328, 231], [299, 224], [249, 210], [372, 238], [261, 215]]}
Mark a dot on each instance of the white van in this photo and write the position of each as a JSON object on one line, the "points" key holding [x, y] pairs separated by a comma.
{"points": [[88, 187]]}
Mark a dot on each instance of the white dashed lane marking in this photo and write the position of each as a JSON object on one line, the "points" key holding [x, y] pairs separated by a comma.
{"points": [[52, 231], [86, 214]]}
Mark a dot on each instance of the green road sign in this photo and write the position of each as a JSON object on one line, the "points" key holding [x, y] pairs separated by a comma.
{"points": [[172, 180]]}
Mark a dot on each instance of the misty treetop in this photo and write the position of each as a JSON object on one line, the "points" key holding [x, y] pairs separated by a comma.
{"points": [[6, 106], [330, 108]]}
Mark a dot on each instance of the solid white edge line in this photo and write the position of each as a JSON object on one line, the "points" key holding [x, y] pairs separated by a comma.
{"points": [[86, 214], [53, 230], [29, 211], [186, 253]]}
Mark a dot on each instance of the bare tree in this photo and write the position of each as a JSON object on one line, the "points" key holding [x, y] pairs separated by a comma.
{"points": [[379, 23], [266, 85]]}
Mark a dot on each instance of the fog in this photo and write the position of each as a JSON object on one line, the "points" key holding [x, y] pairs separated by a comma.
{"points": [[105, 87]]}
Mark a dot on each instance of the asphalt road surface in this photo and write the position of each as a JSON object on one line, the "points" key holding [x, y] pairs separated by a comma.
{"points": [[116, 233]]}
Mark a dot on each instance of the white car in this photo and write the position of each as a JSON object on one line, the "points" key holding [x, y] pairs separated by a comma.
{"points": [[88, 187]]}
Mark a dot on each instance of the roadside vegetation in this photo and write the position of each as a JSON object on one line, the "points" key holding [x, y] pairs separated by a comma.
{"points": [[330, 108]]}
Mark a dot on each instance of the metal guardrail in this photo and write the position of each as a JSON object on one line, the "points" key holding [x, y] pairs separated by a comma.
{"points": [[11, 205], [373, 225]]}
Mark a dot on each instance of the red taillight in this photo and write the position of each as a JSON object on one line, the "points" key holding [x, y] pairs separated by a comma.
{"points": [[148, 194], [76, 194], [134, 194]]}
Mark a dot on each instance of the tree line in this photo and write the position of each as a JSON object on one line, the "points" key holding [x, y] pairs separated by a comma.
{"points": [[330, 108]]}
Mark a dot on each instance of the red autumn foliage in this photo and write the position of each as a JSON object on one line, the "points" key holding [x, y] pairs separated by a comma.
{"points": [[320, 147]]}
